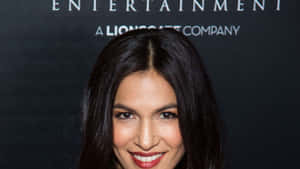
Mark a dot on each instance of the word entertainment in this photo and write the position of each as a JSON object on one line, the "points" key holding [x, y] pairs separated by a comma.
{"points": [[165, 5]]}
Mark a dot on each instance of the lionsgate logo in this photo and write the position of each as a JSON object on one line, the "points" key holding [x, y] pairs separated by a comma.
{"points": [[166, 5]]}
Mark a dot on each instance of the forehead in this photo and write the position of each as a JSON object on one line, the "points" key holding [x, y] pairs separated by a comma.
{"points": [[145, 90]]}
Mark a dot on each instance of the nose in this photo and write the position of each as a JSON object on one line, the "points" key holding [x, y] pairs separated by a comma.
{"points": [[146, 137]]}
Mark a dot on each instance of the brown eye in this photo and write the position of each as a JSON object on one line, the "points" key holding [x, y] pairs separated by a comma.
{"points": [[124, 115], [168, 115]]}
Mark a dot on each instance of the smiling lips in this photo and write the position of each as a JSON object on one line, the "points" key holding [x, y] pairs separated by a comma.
{"points": [[146, 160]]}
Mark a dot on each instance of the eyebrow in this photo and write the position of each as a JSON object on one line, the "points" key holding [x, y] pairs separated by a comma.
{"points": [[168, 106]]}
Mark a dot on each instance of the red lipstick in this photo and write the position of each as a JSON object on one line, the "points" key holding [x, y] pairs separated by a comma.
{"points": [[147, 160]]}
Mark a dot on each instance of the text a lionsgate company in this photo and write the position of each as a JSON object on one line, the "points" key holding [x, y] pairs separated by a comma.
{"points": [[187, 30]]}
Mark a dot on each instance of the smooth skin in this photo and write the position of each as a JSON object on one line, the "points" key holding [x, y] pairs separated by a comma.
{"points": [[145, 120]]}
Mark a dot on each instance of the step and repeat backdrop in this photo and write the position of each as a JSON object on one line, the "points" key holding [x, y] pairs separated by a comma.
{"points": [[250, 49]]}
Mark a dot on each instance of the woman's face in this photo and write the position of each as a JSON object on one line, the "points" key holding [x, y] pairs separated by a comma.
{"points": [[145, 125]]}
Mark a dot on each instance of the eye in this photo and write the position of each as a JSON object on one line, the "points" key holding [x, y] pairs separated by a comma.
{"points": [[124, 115], [168, 115]]}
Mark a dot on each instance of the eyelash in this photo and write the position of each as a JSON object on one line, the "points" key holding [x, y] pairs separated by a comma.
{"points": [[126, 115], [118, 115], [174, 116]]}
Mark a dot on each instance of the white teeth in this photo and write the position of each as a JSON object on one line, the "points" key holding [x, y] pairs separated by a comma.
{"points": [[147, 159]]}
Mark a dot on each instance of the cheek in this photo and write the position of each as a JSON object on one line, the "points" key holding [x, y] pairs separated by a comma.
{"points": [[171, 134], [122, 134]]}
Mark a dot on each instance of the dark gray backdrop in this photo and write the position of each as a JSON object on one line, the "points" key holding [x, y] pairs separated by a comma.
{"points": [[46, 56]]}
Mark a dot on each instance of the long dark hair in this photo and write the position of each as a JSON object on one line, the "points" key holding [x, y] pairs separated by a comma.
{"points": [[173, 56]]}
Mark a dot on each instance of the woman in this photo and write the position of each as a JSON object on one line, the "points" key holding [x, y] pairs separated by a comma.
{"points": [[149, 104]]}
